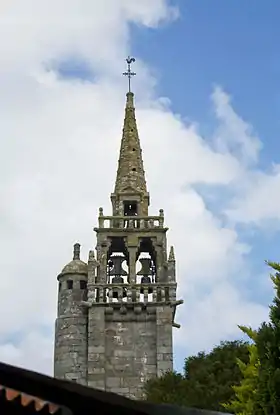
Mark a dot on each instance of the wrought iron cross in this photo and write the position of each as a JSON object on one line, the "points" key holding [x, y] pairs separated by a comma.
{"points": [[129, 73]]}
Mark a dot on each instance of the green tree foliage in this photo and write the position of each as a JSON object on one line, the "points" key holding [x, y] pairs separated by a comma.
{"points": [[268, 345], [170, 388], [245, 393], [207, 379]]}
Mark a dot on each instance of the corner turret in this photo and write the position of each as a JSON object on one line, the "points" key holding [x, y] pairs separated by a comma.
{"points": [[70, 359]]}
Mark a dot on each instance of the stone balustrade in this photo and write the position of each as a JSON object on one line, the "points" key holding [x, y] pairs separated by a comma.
{"points": [[131, 222], [137, 293]]}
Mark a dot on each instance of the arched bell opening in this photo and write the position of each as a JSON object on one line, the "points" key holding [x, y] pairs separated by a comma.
{"points": [[117, 270], [146, 268]]}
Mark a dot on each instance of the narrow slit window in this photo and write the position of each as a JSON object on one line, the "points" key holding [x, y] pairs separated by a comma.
{"points": [[69, 284], [83, 285]]}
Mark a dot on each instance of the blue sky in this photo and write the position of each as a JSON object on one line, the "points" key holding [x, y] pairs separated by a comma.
{"points": [[224, 46], [231, 43]]}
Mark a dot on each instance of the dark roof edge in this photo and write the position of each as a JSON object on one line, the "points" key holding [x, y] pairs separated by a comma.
{"points": [[64, 393], [80, 398]]}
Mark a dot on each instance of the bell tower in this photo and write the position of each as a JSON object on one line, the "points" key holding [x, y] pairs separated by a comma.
{"points": [[133, 292], [130, 299]]}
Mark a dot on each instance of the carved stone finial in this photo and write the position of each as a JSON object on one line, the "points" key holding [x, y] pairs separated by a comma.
{"points": [[171, 254], [92, 260], [77, 250], [91, 256], [101, 211]]}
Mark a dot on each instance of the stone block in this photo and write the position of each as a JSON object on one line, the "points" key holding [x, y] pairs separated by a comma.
{"points": [[132, 382], [124, 353], [149, 352], [164, 366], [164, 350], [98, 384], [96, 378], [120, 391], [167, 357], [113, 382], [96, 370], [151, 369], [96, 349], [95, 357]]}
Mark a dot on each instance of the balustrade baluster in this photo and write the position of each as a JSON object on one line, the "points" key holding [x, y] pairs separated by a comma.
{"points": [[129, 295], [110, 292], [137, 294], [146, 295], [120, 295], [154, 294]]}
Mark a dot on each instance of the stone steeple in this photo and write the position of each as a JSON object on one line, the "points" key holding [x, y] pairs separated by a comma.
{"points": [[130, 182], [116, 313]]}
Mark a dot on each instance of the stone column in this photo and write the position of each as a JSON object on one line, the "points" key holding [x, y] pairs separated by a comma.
{"points": [[164, 339], [102, 250], [96, 347], [132, 264]]}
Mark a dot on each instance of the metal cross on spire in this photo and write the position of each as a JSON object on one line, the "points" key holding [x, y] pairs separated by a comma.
{"points": [[129, 73]]}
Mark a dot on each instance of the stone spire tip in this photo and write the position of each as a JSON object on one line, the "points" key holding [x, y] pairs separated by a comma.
{"points": [[129, 100], [171, 254]]}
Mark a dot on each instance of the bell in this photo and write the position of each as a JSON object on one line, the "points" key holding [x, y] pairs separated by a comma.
{"points": [[146, 266], [146, 280], [145, 271], [115, 264]]}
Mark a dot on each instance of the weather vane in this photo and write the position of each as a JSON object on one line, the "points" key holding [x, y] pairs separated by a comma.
{"points": [[128, 73]]}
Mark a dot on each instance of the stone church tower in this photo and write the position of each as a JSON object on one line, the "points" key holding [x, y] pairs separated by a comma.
{"points": [[115, 313]]}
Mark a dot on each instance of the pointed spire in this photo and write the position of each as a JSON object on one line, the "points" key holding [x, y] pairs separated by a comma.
{"points": [[171, 254], [130, 174]]}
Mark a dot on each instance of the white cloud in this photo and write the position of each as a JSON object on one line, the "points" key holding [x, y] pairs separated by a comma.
{"points": [[234, 134], [58, 156], [33, 350], [217, 313], [258, 201]]}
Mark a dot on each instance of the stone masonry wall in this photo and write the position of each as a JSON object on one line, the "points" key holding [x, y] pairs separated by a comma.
{"points": [[127, 348], [131, 353]]}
